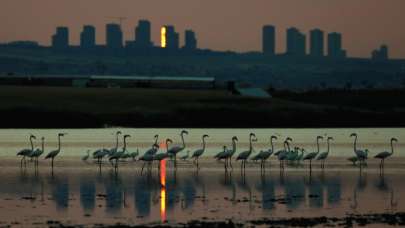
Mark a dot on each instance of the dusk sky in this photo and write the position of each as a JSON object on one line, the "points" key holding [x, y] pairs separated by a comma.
{"points": [[219, 24]]}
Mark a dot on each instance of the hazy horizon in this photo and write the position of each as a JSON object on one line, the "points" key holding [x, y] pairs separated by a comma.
{"points": [[220, 25]]}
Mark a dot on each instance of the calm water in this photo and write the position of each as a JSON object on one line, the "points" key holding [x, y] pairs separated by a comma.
{"points": [[78, 141], [80, 193]]}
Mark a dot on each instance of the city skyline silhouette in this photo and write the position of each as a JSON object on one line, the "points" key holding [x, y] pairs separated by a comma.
{"points": [[235, 26]]}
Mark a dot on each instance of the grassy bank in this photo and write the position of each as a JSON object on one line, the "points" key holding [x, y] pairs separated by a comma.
{"points": [[56, 107]]}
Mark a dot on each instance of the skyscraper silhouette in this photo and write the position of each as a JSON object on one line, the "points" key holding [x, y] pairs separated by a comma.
{"points": [[269, 40], [88, 37], [317, 43], [169, 37], [190, 41], [113, 36], [60, 40], [296, 42], [335, 45], [143, 34], [380, 54]]}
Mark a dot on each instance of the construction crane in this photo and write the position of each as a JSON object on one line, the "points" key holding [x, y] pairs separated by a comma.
{"points": [[120, 19]]}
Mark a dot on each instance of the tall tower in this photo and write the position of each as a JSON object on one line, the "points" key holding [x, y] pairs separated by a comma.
{"points": [[143, 34], [269, 40], [113, 36], [88, 37], [60, 40], [335, 45], [296, 42], [169, 37], [190, 41], [317, 43]]}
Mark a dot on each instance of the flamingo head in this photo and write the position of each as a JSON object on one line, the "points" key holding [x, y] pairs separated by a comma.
{"points": [[206, 136], [156, 136], [394, 140], [288, 139], [319, 137], [168, 141], [234, 138], [224, 148], [126, 136], [330, 138], [118, 133], [32, 136], [353, 135], [273, 137], [62, 134], [184, 132]]}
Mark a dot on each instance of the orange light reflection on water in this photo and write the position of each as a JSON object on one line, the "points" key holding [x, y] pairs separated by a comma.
{"points": [[163, 190]]}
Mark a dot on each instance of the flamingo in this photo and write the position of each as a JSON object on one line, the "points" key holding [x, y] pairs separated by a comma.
{"points": [[243, 156], [38, 152], [198, 153], [229, 153], [162, 156], [55, 153], [135, 154], [155, 147], [264, 155], [100, 154], [185, 157], [385, 154], [26, 152], [85, 157], [324, 155], [360, 154], [176, 149], [282, 154], [113, 150], [312, 155], [119, 154]]}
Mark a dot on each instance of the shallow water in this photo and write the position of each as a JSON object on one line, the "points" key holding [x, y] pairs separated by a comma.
{"points": [[79, 193], [78, 141]]}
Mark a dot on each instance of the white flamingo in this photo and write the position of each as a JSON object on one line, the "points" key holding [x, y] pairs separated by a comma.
{"points": [[26, 152], [198, 153], [324, 155], [361, 155], [243, 156], [385, 154], [312, 155], [176, 149], [55, 153]]}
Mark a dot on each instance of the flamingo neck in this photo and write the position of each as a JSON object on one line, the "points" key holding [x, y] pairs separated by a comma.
{"points": [[233, 146], [32, 144], [355, 143], [116, 142], [317, 144], [328, 147], [58, 142], [250, 144], [167, 147], [288, 146], [43, 145], [125, 144], [203, 139], [392, 147], [182, 139], [271, 144]]}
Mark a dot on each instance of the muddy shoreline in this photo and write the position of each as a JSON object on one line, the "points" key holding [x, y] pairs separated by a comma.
{"points": [[383, 219]]}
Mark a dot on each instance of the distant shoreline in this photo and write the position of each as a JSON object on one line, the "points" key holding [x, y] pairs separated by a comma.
{"points": [[62, 107]]}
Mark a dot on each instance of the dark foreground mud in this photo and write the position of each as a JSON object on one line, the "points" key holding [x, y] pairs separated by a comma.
{"points": [[384, 219]]}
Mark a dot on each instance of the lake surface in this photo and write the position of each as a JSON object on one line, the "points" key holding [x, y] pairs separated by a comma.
{"points": [[78, 194], [78, 141], [83, 193]]}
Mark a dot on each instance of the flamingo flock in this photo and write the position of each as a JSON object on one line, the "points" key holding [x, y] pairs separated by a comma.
{"points": [[286, 156]]}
